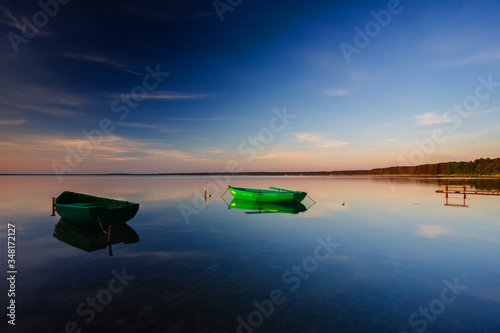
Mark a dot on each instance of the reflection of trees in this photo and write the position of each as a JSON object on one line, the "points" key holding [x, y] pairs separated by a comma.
{"points": [[483, 184], [475, 183]]}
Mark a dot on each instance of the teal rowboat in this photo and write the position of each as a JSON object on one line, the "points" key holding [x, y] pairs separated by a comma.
{"points": [[273, 195], [82, 208], [262, 207]]}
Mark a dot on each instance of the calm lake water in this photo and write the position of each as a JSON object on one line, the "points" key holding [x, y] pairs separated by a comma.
{"points": [[371, 255]]}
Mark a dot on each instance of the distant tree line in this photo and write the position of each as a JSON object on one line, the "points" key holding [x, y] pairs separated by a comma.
{"points": [[482, 166]]}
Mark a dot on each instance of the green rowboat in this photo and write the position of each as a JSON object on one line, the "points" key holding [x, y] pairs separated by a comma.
{"points": [[262, 207], [82, 208], [273, 195]]}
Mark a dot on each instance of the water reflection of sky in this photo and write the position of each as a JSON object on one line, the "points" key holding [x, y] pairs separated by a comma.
{"points": [[398, 243]]}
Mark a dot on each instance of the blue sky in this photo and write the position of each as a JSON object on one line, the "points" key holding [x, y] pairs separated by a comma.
{"points": [[424, 89]]}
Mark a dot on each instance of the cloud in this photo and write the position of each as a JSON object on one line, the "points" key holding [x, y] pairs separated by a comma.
{"points": [[320, 140], [169, 154], [111, 148], [13, 122], [15, 23], [170, 95], [176, 95], [485, 111], [102, 60], [114, 146], [200, 139], [210, 150], [279, 154], [472, 59], [49, 110], [198, 119], [431, 118], [19, 98], [337, 92], [12, 22], [150, 126], [121, 159]]}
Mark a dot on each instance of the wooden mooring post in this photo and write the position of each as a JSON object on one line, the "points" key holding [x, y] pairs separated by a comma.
{"points": [[109, 242]]}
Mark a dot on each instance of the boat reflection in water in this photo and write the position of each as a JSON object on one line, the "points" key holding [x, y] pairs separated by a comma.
{"points": [[261, 207], [91, 237]]}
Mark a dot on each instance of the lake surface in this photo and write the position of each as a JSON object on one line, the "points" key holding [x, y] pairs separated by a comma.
{"points": [[371, 255]]}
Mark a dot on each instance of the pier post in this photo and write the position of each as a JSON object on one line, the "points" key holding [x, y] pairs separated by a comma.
{"points": [[53, 206]]}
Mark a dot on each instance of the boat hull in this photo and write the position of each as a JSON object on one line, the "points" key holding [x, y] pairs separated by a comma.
{"points": [[84, 209], [267, 195]]}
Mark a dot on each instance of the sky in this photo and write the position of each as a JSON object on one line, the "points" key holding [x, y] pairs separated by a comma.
{"points": [[246, 85]]}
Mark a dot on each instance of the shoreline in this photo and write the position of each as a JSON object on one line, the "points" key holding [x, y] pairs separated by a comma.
{"points": [[256, 174]]}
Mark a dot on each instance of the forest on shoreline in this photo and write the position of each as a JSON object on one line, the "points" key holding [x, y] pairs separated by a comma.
{"points": [[479, 167]]}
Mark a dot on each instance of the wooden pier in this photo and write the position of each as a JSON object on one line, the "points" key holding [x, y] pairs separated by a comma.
{"points": [[462, 190]]}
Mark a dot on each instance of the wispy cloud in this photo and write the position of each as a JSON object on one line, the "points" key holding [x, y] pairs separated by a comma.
{"points": [[170, 95], [12, 21], [112, 148], [12, 122], [491, 110], [210, 150], [200, 139], [319, 140], [280, 154], [471, 59], [102, 60], [20, 98], [174, 154], [198, 119], [41, 94], [150, 126], [431, 118], [60, 112], [177, 95], [337, 92]]}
